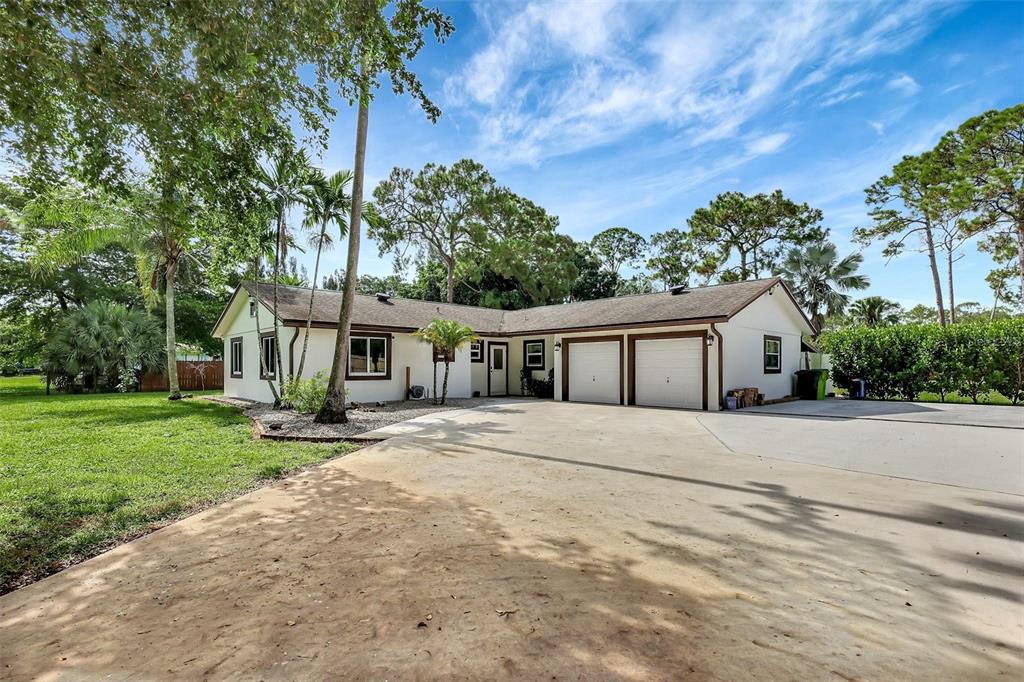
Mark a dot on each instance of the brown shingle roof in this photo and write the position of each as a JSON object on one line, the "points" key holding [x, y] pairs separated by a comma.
{"points": [[700, 303]]}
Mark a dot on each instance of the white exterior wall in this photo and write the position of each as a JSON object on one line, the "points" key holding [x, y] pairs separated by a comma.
{"points": [[516, 360], [713, 389], [744, 334], [407, 351]]}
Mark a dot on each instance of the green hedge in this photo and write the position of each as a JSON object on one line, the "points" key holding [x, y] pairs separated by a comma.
{"points": [[899, 362]]}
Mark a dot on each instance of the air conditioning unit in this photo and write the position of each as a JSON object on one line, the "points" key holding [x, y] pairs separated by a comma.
{"points": [[417, 393]]}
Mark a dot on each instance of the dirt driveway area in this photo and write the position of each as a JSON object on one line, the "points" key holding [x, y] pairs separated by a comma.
{"points": [[555, 541]]}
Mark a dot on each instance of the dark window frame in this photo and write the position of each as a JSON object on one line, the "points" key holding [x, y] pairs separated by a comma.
{"points": [[252, 308], [543, 355], [272, 359], [388, 344], [765, 354], [241, 356], [479, 346], [439, 354]]}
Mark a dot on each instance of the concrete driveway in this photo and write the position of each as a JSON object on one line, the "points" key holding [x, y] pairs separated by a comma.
{"points": [[882, 438], [550, 540], [1001, 416]]}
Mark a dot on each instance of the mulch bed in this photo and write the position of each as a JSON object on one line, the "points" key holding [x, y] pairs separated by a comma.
{"points": [[290, 425]]}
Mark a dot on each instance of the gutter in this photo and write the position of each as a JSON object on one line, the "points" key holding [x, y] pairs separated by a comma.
{"points": [[291, 353], [721, 391]]}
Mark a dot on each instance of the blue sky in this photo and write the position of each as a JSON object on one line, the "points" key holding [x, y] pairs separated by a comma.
{"points": [[636, 113]]}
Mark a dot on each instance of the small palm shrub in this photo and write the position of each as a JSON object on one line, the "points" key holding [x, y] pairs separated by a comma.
{"points": [[306, 395], [104, 346]]}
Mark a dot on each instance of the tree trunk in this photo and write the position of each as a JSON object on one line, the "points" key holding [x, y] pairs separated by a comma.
{"points": [[282, 236], [259, 340], [1020, 256], [949, 282], [172, 356], [278, 369], [444, 386], [930, 241], [333, 410], [312, 293], [434, 396], [450, 262], [743, 265]]}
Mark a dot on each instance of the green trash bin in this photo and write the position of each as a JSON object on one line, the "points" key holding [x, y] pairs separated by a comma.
{"points": [[810, 384]]}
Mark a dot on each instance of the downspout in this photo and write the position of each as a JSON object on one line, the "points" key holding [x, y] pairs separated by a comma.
{"points": [[291, 353], [721, 391]]}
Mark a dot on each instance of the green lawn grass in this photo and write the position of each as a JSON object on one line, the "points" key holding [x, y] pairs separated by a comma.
{"points": [[81, 473]]}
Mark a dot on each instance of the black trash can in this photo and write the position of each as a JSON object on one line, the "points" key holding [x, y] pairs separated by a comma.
{"points": [[810, 384]]}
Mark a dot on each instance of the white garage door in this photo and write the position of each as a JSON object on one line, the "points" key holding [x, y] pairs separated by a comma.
{"points": [[670, 373], [594, 372]]}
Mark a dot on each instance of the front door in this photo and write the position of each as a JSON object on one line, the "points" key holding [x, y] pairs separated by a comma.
{"points": [[497, 380]]}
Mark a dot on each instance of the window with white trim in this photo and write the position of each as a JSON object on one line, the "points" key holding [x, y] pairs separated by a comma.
{"points": [[236, 358], [772, 354], [476, 351], [268, 348], [368, 356], [533, 354]]}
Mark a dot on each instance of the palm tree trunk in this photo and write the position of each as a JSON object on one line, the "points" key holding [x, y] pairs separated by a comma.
{"points": [[444, 386], [279, 370], [312, 294], [172, 356], [930, 241], [434, 397], [333, 410], [949, 281]]}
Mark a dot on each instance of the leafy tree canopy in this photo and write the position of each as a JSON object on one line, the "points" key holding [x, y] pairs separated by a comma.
{"points": [[671, 259], [755, 230], [618, 247]]}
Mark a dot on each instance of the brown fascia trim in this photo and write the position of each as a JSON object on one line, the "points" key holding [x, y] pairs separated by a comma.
{"points": [[536, 332]]}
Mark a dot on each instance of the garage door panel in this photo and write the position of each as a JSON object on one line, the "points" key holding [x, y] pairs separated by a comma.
{"points": [[669, 372], [594, 374]]}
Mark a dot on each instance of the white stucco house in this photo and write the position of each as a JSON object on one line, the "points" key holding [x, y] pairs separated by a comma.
{"points": [[683, 348]]}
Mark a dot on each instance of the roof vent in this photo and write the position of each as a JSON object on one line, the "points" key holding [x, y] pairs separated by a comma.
{"points": [[678, 289], [383, 298]]}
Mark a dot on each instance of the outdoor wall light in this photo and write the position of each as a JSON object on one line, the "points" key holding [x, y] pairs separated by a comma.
{"points": [[709, 340], [558, 346]]}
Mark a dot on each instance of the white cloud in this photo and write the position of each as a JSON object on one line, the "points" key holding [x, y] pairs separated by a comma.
{"points": [[903, 83], [767, 144], [878, 127], [845, 90], [558, 78]]}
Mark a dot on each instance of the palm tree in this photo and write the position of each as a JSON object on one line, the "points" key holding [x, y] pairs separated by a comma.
{"points": [[447, 336], [159, 230], [283, 180], [875, 311], [819, 279], [327, 201]]}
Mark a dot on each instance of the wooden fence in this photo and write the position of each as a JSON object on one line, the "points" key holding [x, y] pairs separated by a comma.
{"points": [[193, 375]]}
